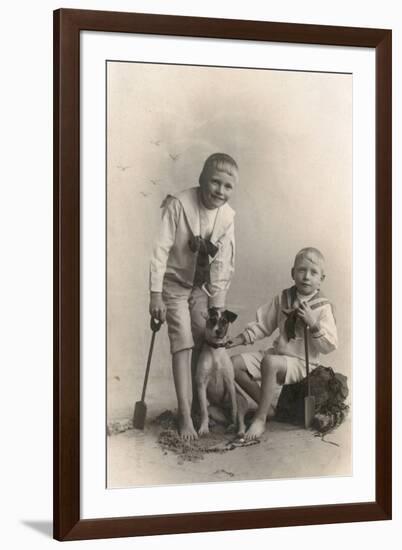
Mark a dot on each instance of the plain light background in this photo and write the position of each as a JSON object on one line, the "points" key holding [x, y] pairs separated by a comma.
{"points": [[291, 135], [26, 277]]}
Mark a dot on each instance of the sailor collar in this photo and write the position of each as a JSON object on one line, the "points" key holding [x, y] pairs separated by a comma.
{"points": [[189, 199]]}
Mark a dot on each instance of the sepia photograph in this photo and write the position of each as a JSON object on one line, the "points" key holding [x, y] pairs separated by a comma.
{"points": [[228, 274]]}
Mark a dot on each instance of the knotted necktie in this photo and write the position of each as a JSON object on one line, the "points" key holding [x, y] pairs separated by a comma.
{"points": [[290, 323], [202, 247]]}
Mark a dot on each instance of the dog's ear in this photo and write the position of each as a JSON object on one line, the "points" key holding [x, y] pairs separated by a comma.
{"points": [[229, 316]]}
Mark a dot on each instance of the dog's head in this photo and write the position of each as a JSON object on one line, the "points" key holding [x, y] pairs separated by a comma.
{"points": [[218, 323]]}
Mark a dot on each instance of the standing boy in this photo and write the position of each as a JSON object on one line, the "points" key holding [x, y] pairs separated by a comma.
{"points": [[191, 269]]}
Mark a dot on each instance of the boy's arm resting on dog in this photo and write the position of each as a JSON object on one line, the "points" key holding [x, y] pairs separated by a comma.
{"points": [[265, 324], [236, 341]]}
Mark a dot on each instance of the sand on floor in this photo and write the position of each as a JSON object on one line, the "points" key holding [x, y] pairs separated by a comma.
{"points": [[140, 457]]}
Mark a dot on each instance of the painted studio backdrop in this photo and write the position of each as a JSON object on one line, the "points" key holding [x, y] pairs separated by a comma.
{"points": [[291, 136]]}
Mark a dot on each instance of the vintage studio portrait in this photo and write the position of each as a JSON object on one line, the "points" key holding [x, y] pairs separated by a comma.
{"points": [[229, 274]]}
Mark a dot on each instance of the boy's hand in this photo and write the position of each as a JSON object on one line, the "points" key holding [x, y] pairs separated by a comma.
{"points": [[157, 308], [237, 341], [305, 313]]}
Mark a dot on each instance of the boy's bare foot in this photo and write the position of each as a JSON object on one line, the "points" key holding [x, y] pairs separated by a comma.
{"points": [[186, 429], [256, 429]]}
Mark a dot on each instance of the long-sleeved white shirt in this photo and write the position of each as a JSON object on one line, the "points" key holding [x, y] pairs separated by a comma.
{"points": [[172, 255], [271, 316]]}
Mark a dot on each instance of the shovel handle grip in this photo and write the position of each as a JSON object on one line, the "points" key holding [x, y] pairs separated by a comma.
{"points": [[155, 324]]}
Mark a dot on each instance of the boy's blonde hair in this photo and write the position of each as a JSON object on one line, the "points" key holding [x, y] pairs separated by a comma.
{"points": [[312, 254], [221, 162]]}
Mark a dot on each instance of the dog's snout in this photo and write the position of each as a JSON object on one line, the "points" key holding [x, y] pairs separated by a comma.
{"points": [[222, 327]]}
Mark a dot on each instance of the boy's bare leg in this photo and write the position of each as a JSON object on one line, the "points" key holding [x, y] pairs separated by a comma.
{"points": [[242, 408], [195, 406], [198, 307], [273, 369], [182, 381]]}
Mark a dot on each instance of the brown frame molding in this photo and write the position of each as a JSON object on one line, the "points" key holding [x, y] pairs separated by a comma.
{"points": [[67, 26]]}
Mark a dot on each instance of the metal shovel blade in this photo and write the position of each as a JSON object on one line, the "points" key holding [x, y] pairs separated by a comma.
{"points": [[309, 410], [140, 414]]}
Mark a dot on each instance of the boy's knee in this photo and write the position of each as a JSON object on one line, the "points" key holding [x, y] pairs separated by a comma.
{"points": [[276, 365], [270, 362]]}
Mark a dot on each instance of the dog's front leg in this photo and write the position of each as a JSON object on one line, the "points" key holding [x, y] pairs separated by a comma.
{"points": [[233, 404], [231, 391], [203, 403]]}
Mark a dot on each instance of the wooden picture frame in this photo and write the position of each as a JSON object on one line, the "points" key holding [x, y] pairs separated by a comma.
{"points": [[68, 524]]}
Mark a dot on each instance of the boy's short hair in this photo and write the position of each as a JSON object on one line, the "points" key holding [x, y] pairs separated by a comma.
{"points": [[312, 254], [219, 161]]}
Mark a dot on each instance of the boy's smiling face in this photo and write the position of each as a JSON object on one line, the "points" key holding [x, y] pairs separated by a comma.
{"points": [[217, 187], [307, 275]]}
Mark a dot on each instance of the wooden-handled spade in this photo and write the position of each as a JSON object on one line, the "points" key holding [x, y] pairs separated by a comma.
{"points": [[309, 400], [140, 409]]}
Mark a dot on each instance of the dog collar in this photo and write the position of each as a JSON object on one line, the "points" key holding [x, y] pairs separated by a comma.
{"points": [[216, 346]]}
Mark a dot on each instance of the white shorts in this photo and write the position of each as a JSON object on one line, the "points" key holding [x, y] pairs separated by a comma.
{"points": [[186, 310], [295, 367], [295, 371]]}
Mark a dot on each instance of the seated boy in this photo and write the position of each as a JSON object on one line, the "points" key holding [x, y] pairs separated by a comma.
{"points": [[284, 363]]}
